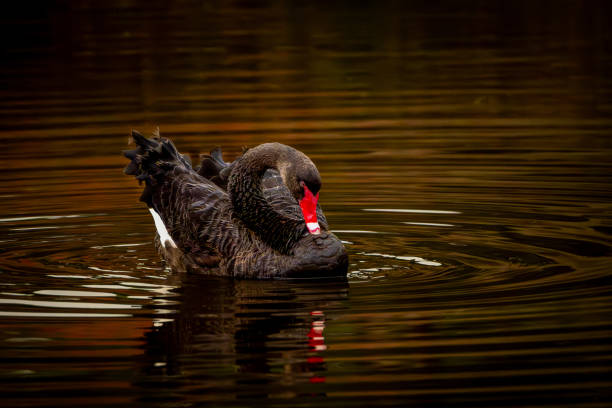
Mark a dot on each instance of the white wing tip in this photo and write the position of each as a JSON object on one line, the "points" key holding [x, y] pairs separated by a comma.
{"points": [[170, 242], [164, 236]]}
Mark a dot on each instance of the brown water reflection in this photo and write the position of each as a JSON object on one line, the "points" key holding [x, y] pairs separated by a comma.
{"points": [[466, 156]]}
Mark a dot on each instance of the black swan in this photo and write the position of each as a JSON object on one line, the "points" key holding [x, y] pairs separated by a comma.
{"points": [[256, 217]]}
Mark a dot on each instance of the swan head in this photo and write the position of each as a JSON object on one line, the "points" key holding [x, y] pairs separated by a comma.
{"points": [[302, 178]]}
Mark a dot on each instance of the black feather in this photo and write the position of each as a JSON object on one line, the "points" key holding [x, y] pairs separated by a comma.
{"points": [[152, 161]]}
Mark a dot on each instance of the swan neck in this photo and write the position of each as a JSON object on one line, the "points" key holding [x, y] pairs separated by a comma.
{"points": [[250, 204]]}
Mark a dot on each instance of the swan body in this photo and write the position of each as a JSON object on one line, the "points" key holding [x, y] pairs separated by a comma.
{"points": [[257, 217]]}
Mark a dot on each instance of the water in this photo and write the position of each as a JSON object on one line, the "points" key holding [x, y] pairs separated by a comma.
{"points": [[465, 152]]}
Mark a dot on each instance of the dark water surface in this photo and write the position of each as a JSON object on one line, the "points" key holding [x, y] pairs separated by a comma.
{"points": [[466, 156]]}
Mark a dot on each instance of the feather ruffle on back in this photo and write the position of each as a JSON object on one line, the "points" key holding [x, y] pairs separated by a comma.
{"points": [[214, 168], [152, 160]]}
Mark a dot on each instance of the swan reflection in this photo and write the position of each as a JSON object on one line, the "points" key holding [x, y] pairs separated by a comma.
{"points": [[235, 336]]}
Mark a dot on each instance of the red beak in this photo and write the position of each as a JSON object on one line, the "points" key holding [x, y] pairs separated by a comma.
{"points": [[308, 204]]}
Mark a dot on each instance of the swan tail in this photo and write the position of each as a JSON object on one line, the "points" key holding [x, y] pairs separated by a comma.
{"points": [[153, 160]]}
